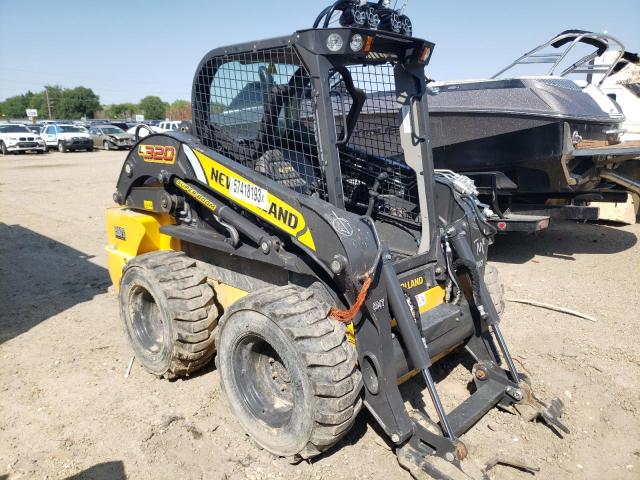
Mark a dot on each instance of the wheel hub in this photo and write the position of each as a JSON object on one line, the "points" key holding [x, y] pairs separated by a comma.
{"points": [[146, 320], [263, 381]]}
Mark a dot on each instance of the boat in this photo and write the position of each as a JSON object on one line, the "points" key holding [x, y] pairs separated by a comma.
{"points": [[551, 134], [532, 139], [623, 86]]}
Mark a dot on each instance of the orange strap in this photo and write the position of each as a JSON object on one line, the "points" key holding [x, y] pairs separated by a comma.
{"points": [[346, 316]]}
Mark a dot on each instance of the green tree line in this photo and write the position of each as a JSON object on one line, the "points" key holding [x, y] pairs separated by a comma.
{"points": [[79, 102], [72, 103]]}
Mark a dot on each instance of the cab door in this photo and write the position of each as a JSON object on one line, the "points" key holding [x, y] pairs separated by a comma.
{"points": [[96, 137], [50, 137]]}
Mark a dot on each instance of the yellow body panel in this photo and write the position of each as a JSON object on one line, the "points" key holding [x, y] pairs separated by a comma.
{"points": [[431, 298], [131, 233], [426, 301], [226, 295], [278, 213]]}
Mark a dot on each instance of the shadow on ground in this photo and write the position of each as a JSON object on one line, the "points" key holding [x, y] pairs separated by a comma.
{"points": [[563, 240], [40, 277], [102, 471]]}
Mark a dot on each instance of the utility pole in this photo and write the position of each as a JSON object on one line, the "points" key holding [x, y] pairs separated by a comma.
{"points": [[46, 91]]}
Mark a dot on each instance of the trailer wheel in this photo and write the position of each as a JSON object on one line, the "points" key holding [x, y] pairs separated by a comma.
{"points": [[169, 313], [288, 371], [495, 287]]}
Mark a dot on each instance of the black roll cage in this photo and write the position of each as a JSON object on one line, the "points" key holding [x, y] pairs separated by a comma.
{"points": [[409, 56]]}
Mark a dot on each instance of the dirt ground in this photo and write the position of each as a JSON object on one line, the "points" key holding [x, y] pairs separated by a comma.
{"points": [[66, 410]]}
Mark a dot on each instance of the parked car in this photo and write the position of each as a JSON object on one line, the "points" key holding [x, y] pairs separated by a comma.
{"points": [[110, 137], [168, 126], [67, 137], [122, 125], [18, 138], [144, 131], [34, 128]]}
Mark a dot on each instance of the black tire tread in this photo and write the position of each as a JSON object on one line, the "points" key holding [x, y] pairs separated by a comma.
{"points": [[192, 308], [493, 281], [330, 360]]}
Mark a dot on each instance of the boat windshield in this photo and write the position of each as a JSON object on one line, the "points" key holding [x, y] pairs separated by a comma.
{"points": [[571, 53]]}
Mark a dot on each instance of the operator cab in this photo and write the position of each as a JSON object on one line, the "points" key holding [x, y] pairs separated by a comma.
{"points": [[259, 104]]}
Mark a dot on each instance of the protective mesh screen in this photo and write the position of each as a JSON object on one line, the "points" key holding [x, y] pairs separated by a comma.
{"points": [[258, 111], [374, 146]]}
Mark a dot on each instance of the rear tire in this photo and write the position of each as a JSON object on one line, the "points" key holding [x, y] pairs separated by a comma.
{"points": [[494, 284], [288, 371], [169, 313]]}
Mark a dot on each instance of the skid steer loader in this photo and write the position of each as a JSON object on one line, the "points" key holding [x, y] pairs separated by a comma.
{"points": [[322, 272]]}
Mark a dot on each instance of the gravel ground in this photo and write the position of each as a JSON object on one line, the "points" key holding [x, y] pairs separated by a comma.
{"points": [[66, 410]]}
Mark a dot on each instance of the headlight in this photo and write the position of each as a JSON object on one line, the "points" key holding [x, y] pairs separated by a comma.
{"points": [[334, 42], [357, 42], [12, 140]]}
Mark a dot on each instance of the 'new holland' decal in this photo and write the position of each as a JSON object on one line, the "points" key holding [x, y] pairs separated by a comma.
{"points": [[257, 200]]}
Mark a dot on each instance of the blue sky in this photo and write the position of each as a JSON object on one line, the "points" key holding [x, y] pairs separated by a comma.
{"points": [[125, 50]]}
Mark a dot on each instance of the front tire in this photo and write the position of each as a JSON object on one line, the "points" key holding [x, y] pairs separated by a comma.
{"points": [[493, 281], [4, 149], [106, 145], [169, 313], [288, 371], [61, 147]]}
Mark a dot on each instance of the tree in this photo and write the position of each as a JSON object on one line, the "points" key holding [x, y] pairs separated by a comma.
{"points": [[179, 110], [122, 111], [14, 107], [77, 102], [70, 103], [153, 107]]}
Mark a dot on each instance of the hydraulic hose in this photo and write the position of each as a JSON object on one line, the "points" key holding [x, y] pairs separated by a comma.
{"points": [[485, 305], [472, 269]]}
